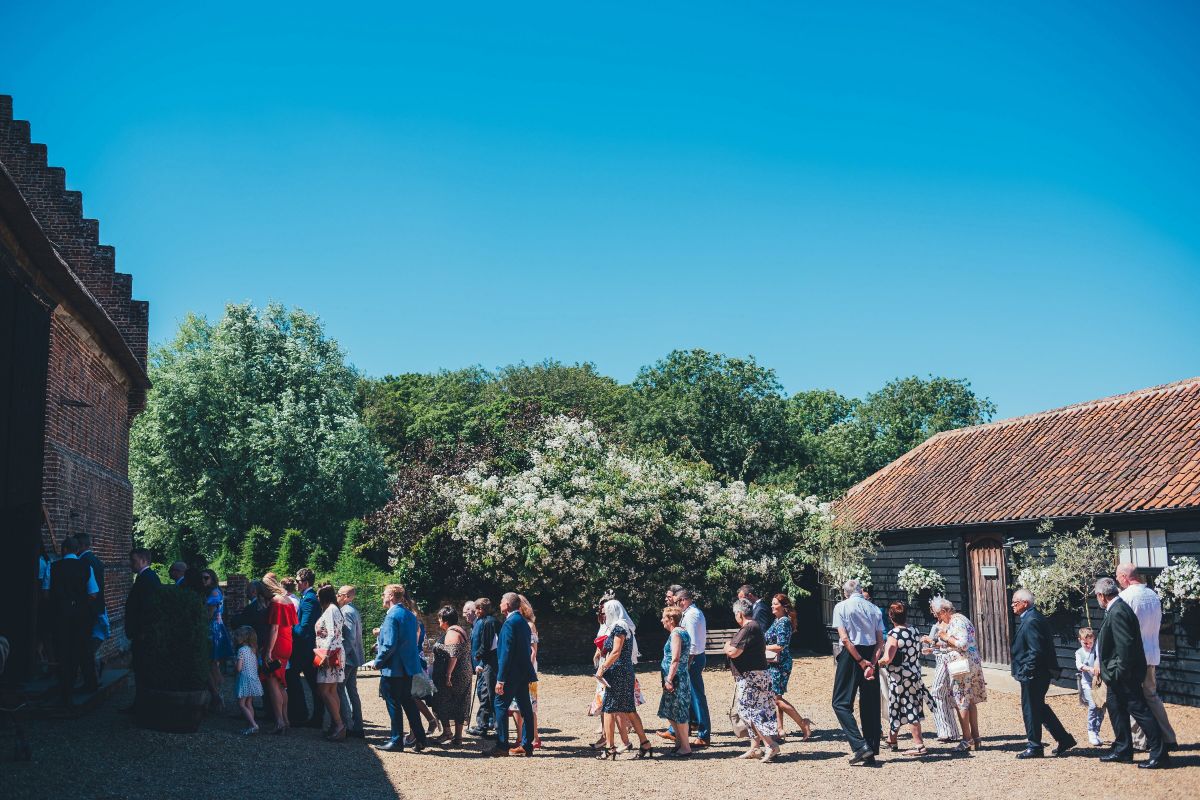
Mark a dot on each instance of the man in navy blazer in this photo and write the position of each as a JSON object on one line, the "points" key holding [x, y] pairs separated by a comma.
{"points": [[514, 673], [398, 660], [304, 640], [1034, 662]]}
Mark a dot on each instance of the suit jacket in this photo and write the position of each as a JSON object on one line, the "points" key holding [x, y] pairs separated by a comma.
{"points": [[1119, 644], [1033, 653], [69, 590], [304, 634], [515, 661], [352, 636], [762, 613], [483, 633], [144, 584], [399, 654]]}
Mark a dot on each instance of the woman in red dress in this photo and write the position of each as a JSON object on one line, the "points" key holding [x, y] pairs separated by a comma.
{"points": [[277, 649]]}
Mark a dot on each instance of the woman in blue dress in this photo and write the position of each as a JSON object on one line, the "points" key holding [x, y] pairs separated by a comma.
{"points": [[618, 655], [779, 651], [676, 702], [222, 641]]}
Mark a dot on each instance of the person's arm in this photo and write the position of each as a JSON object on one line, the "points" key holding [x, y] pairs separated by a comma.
{"points": [[618, 645], [452, 638], [504, 657], [889, 651], [386, 643], [271, 637], [851, 648], [93, 588]]}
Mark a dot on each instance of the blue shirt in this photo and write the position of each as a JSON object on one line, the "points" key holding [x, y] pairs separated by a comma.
{"points": [[860, 619]]}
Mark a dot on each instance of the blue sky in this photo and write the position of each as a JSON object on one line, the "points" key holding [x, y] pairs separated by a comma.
{"points": [[1003, 194]]}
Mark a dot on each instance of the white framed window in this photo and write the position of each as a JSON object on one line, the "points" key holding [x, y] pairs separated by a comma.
{"points": [[1146, 549]]}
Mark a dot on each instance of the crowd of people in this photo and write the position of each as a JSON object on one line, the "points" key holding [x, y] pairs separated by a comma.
{"points": [[296, 633]]}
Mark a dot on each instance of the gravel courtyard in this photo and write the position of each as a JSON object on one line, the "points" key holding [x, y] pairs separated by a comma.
{"points": [[104, 756]]}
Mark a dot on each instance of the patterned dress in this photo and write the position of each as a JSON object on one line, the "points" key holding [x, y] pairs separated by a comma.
{"points": [[329, 637], [970, 688], [248, 684], [452, 702], [904, 680], [675, 706], [780, 633], [618, 697], [222, 641]]}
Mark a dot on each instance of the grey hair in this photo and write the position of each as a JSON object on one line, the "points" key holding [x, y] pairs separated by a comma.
{"points": [[743, 607], [851, 586], [469, 607], [512, 599], [1023, 594], [939, 604], [1107, 587]]}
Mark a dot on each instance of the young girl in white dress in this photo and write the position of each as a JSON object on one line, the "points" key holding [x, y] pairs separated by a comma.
{"points": [[248, 684]]}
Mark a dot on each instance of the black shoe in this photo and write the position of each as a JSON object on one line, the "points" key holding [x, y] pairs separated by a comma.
{"points": [[357, 734], [477, 731], [497, 752], [1113, 758], [862, 755], [1031, 752], [419, 747], [391, 747], [869, 761], [1162, 762], [1063, 747]]}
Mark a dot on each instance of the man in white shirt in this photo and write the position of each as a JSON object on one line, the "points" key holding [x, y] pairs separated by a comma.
{"points": [[1146, 605], [697, 628], [860, 630]]}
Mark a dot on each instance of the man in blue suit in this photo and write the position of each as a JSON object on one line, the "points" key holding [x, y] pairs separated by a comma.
{"points": [[1034, 662], [304, 640], [514, 673], [398, 660]]}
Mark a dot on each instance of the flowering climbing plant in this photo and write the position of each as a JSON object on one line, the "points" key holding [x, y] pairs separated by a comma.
{"points": [[914, 579], [1179, 583], [588, 515]]}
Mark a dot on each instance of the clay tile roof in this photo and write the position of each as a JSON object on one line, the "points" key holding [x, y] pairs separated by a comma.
{"points": [[1132, 452]]}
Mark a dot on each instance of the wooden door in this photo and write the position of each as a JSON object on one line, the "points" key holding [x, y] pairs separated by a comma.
{"points": [[989, 599]]}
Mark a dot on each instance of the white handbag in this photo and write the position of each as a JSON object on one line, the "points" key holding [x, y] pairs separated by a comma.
{"points": [[959, 667]]}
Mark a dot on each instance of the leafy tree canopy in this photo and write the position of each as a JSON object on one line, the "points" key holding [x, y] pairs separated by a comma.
{"points": [[251, 422]]}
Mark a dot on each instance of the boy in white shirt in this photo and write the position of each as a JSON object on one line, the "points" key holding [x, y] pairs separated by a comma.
{"points": [[1087, 664]]}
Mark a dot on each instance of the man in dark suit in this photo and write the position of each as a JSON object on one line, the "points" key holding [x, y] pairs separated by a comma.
{"points": [[145, 583], [1123, 670], [1034, 661], [99, 631], [304, 640], [760, 608], [514, 673], [398, 660], [483, 655], [73, 591]]}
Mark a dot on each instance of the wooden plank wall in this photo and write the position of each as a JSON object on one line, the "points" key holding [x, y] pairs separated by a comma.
{"points": [[938, 551]]}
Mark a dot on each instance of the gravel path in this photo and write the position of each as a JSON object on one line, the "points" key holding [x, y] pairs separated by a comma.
{"points": [[104, 756]]}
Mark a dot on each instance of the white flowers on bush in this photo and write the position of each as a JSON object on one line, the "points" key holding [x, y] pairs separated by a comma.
{"points": [[858, 572], [913, 579], [1179, 582], [589, 516]]}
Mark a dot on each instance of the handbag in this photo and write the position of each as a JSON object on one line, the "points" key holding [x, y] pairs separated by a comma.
{"points": [[1099, 692], [422, 686], [321, 655], [958, 667], [740, 729]]}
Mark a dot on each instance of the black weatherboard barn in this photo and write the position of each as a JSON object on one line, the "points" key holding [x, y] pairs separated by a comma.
{"points": [[957, 503]]}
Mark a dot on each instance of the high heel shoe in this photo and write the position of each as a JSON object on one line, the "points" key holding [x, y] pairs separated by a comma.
{"points": [[337, 736], [608, 753], [598, 744], [646, 750], [806, 726], [432, 727], [975, 744], [893, 745]]}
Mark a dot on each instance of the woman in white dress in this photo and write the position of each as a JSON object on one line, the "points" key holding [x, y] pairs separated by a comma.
{"points": [[332, 671]]}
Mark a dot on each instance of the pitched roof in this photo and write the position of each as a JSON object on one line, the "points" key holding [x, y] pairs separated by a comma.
{"points": [[1132, 452]]}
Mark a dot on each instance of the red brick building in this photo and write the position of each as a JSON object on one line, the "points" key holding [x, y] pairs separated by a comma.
{"points": [[72, 378]]}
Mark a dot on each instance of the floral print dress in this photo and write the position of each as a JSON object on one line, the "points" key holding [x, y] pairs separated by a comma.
{"points": [[677, 705], [970, 688], [780, 633], [618, 697]]}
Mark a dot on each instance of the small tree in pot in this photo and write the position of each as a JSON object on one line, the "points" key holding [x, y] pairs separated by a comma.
{"points": [[177, 645]]}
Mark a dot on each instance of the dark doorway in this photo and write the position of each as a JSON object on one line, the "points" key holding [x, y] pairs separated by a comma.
{"points": [[989, 599], [24, 354]]}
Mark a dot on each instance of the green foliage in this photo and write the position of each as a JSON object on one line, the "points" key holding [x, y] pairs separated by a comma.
{"points": [[251, 421], [835, 548], [1062, 574], [293, 554], [728, 412], [177, 643], [254, 558], [351, 569]]}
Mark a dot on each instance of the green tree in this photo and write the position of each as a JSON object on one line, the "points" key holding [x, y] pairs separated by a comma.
{"points": [[255, 556], [293, 554], [556, 388], [728, 412], [251, 421]]}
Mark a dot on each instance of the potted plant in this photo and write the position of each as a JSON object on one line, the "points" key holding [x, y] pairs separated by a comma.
{"points": [[1179, 585], [920, 581], [176, 646]]}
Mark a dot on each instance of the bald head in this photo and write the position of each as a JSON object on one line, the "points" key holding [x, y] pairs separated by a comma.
{"points": [[346, 595], [1127, 573]]}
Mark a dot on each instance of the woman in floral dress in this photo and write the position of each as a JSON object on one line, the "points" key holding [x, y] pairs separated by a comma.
{"points": [[779, 655], [619, 653], [332, 671], [676, 702], [906, 695], [753, 698], [953, 638], [451, 676]]}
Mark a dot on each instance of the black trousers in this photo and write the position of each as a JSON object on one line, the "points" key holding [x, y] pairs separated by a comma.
{"points": [[485, 693], [1037, 714], [519, 693], [297, 708], [848, 680], [1127, 700], [397, 696], [309, 671], [72, 642]]}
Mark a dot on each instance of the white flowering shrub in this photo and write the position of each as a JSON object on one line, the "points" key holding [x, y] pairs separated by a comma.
{"points": [[589, 516], [1179, 582], [914, 579]]}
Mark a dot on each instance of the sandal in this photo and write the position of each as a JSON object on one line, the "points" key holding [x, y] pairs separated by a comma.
{"points": [[920, 751], [893, 745], [963, 746], [598, 744]]}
